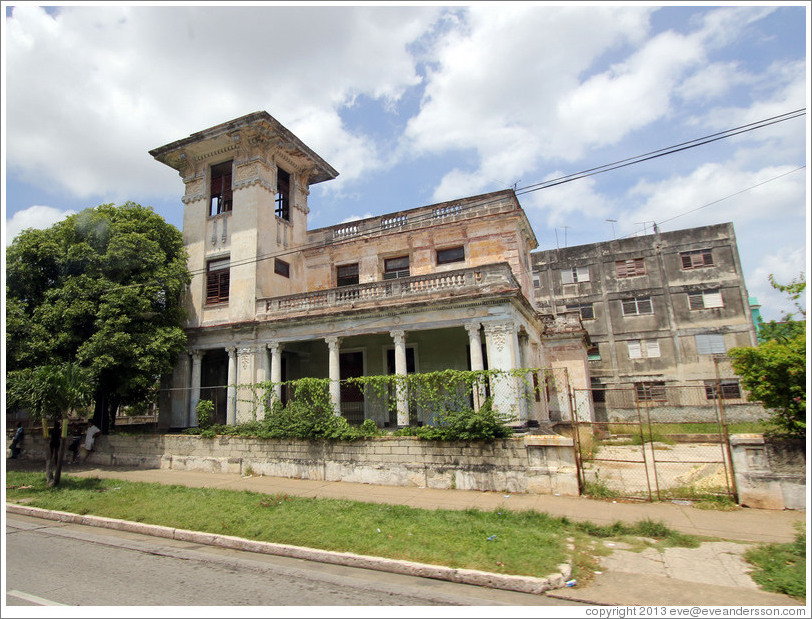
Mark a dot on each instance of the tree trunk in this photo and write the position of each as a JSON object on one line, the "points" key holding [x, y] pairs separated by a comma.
{"points": [[61, 455]]}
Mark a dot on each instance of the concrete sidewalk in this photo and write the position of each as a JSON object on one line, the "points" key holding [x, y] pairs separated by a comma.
{"points": [[714, 574]]}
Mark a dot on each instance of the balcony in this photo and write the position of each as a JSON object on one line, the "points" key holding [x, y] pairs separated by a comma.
{"points": [[492, 279]]}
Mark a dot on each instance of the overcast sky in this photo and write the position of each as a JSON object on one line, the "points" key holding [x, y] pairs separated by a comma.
{"points": [[420, 104]]}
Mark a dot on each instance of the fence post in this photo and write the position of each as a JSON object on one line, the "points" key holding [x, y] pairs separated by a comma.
{"points": [[730, 476]]}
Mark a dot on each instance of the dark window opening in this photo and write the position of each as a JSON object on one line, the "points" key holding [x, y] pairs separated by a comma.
{"points": [[585, 310], [393, 268], [221, 193], [598, 390], [280, 267], [452, 254], [217, 280], [347, 275], [282, 194], [730, 390], [651, 392], [637, 306]]}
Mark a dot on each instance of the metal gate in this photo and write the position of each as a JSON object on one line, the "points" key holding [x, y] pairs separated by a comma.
{"points": [[657, 443]]}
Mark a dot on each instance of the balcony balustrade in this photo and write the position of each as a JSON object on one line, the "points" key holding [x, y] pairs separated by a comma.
{"points": [[418, 288]]}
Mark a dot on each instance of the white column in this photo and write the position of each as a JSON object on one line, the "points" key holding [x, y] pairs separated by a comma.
{"points": [[197, 363], [276, 368], [401, 372], [231, 390], [333, 344], [262, 377], [500, 338], [477, 363]]}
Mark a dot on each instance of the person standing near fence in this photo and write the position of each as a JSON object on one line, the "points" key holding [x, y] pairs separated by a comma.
{"points": [[17, 441]]}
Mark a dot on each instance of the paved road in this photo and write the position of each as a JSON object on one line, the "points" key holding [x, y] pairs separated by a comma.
{"points": [[49, 563]]}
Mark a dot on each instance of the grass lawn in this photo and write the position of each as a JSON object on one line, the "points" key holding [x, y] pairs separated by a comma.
{"points": [[781, 567], [521, 542]]}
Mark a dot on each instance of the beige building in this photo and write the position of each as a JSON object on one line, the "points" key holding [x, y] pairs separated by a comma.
{"points": [[662, 310], [442, 286]]}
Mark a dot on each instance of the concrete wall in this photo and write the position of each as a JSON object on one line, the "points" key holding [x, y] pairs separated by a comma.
{"points": [[530, 464], [770, 473]]}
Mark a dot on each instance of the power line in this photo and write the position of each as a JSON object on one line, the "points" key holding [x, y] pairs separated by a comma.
{"points": [[769, 180], [662, 152], [553, 182]]}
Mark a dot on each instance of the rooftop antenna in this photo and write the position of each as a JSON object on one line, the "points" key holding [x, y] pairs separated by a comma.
{"points": [[565, 235], [557, 246], [642, 223], [613, 222]]}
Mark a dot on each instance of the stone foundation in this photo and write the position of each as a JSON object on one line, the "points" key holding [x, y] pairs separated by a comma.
{"points": [[542, 464], [770, 473]]}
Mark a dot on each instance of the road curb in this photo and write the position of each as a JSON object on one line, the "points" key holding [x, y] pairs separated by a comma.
{"points": [[522, 584]]}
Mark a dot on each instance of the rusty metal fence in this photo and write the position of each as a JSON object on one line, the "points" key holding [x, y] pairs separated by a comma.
{"points": [[668, 443]]}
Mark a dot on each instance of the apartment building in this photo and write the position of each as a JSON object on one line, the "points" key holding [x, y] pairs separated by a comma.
{"points": [[441, 286], [661, 310]]}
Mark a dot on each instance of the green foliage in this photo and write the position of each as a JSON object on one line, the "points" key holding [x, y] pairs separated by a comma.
{"points": [[780, 331], [794, 290], [51, 391], [463, 425], [102, 287], [205, 414], [781, 568], [774, 373]]}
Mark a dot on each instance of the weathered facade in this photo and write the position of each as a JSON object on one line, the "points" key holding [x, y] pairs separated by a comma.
{"points": [[661, 310], [436, 287]]}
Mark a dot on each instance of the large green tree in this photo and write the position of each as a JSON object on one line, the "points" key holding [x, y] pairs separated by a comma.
{"points": [[103, 289], [774, 372]]}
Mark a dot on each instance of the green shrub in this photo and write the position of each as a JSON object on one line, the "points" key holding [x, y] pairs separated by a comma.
{"points": [[205, 414], [463, 425]]}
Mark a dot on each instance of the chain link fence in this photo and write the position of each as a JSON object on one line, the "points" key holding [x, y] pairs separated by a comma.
{"points": [[528, 395], [660, 443]]}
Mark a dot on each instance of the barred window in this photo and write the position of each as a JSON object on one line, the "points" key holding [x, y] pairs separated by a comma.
{"points": [[729, 389], [696, 259], [705, 299], [393, 268], [282, 197], [630, 268], [652, 391], [637, 306]]}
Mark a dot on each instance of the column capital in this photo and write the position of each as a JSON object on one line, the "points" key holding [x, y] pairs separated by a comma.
{"points": [[333, 341], [196, 354], [231, 350], [274, 346], [399, 335], [473, 328]]}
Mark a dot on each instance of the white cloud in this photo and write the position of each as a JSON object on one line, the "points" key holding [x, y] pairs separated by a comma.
{"points": [[38, 217], [91, 89], [570, 203], [722, 187], [784, 265]]}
